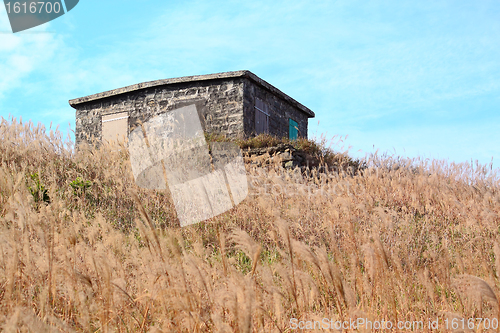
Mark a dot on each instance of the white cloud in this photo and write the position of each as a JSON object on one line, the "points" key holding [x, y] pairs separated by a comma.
{"points": [[9, 41], [22, 53]]}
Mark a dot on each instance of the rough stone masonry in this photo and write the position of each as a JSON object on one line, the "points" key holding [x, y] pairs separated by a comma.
{"points": [[235, 104]]}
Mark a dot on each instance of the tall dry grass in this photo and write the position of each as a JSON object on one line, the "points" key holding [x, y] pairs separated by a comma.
{"points": [[402, 240]]}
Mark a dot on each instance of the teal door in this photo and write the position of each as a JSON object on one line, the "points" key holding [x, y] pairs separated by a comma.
{"points": [[293, 130]]}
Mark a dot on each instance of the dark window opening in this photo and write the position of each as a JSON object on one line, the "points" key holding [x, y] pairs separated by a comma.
{"points": [[261, 117]]}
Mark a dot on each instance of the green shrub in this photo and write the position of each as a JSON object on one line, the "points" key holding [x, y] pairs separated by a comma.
{"points": [[38, 191], [80, 186]]}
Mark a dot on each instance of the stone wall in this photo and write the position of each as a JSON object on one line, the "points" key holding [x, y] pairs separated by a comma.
{"points": [[280, 111], [219, 104], [283, 154]]}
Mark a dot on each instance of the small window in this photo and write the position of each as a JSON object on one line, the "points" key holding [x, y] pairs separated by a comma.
{"points": [[115, 126], [261, 117], [293, 129]]}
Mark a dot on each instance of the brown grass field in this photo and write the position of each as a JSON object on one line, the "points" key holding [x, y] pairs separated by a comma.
{"points": [[83, 249]]}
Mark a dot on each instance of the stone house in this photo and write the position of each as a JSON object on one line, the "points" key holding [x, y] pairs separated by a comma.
{"points": [[236, 104]]}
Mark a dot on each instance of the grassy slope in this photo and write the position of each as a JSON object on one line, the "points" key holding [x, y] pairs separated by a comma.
{"points": [[403, 240]]}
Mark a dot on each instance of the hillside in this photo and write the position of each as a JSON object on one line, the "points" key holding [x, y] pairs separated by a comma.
{"points": [[390, 239]]}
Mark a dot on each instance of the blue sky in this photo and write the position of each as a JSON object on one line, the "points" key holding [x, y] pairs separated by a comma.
{"points": [[414, 78]]}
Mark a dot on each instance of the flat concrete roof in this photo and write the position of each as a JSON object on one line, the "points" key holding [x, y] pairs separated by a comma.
{"points": [[226, 75]]}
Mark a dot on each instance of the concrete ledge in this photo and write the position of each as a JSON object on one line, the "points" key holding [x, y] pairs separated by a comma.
{"points": [[244, 73]]}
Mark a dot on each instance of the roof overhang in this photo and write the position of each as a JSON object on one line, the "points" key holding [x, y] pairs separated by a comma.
{"points": [[218, 76]]}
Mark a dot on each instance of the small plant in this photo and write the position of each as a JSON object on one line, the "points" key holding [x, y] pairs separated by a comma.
{"points": [[80, 186], [242, 262], [262, 141], [38, 191]]}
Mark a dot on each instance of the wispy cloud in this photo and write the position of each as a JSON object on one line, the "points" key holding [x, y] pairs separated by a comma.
{"points": [[21, 54]]}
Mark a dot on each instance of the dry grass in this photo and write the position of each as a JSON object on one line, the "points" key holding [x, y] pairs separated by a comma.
{"points": [[402, 240]]}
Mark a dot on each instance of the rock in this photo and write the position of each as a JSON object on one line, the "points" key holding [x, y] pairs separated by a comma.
{"points": [[286, 156], [291, 164]]}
